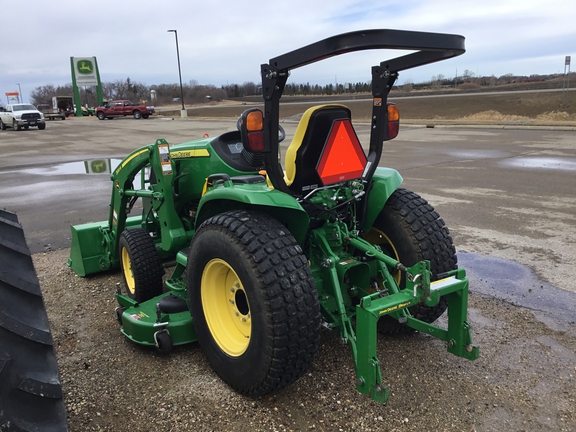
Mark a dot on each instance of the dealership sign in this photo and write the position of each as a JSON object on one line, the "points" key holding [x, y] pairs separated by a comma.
{"points": [[85, 71]]}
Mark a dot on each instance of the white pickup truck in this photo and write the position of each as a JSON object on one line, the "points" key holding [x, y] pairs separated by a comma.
{"points": [[18, 116]]}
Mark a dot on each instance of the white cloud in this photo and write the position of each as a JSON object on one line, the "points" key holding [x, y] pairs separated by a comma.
{"points": [[226, 41]]}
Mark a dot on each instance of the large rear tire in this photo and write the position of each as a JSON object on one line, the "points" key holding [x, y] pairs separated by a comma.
{"points": [[2, 125], [30, 391], [410, 230], [254, 302], [141, 266]]}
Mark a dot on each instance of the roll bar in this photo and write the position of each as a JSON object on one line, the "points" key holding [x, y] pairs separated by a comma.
{"points": [[429, 47]]}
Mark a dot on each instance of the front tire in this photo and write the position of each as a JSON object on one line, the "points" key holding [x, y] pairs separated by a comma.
{"points": [[254, 302], [410, 230], [42, 126], [15, 125], [101, 115], [137, 115], [141, 266]]}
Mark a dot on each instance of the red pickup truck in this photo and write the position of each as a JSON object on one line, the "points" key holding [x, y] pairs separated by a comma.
{"points": [[120, 108]]}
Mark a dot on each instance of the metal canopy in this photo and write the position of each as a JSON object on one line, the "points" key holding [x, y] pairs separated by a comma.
{"points": [[428, 47], [432, 46]]}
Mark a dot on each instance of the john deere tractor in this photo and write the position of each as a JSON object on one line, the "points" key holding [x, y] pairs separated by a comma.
{"points": [[262, 254]]}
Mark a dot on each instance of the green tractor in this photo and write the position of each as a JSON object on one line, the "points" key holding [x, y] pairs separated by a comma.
{"points": [[263, 255]]}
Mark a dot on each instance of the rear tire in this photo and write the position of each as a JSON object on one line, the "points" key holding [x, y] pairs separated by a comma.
{"points": [[31, 395], [254, 302], [2, 125], [410, 230], [141, 266]]}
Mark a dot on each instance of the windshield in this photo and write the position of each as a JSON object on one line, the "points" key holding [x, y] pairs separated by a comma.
{"points": [[23, 107]]}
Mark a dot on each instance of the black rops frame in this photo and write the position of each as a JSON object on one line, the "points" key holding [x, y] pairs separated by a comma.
{"points": [[431, 47]]}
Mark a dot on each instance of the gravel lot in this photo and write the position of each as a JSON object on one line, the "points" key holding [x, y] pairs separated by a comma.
{"points": [[523, 380], [498, 207]]}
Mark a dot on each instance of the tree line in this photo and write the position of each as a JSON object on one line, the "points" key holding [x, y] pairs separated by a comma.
{"points": [[194, 93]]}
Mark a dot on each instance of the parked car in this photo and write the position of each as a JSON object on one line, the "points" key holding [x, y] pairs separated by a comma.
{"points": [[121, 108], [18, 116]]}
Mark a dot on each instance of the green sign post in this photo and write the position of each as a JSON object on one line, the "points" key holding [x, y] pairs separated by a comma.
{"points": [[85, 73]]}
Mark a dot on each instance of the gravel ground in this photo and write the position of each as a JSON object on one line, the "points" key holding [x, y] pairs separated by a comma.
{"points": [[525, 376], [523, 380]]}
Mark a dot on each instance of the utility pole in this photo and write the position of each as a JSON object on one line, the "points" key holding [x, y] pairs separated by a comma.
{"points": [[566, 83], [183, 112], [20, 98]]}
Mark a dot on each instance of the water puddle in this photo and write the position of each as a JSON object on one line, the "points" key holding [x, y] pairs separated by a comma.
{"points": [[517, 284], [479, 154], [545, 163], [94, 166]]}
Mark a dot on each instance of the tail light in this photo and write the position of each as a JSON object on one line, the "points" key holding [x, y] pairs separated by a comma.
{"points": [[251, 124], [393, 124]]}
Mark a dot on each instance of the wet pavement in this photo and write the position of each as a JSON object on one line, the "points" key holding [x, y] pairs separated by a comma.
{"points": [[517, 285], [507, 197], [503, 193]]}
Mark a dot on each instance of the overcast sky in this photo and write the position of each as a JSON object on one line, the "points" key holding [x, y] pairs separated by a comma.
{"points": [[226, 41]]}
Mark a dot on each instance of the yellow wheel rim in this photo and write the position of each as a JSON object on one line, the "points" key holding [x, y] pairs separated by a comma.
{"points": [[226, 307], [377, 237], [127, 269]]}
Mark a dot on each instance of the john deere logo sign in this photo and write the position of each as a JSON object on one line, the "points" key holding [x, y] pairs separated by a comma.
{"points": [[85, 67], [99, 166]]}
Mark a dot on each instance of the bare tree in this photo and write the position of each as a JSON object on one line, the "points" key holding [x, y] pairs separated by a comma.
{"points": [[43, 94]]}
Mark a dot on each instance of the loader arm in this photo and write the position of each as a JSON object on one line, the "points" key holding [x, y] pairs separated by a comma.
{"points": [[95, 246]]}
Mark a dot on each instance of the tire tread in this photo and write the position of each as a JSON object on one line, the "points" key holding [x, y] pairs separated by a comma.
{"points": [[28, 368], [146, 264], [279, 263], [430, 236]]}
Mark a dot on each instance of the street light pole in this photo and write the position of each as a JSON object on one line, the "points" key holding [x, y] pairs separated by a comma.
{"points": [[183, 112], [20, 99]]}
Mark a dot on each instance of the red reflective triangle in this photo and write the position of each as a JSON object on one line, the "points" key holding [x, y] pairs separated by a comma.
{"points": [[342, 158]]}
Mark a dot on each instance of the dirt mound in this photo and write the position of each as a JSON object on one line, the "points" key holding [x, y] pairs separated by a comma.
{"points": [[492, 115]]}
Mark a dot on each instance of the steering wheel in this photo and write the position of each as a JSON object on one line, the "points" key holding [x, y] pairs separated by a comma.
{"points": [[281, 131]]}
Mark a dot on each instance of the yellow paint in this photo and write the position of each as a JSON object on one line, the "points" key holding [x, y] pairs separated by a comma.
{"points": [[290, 161], [393, 308], [127, 269], [230, 324], [182, 154], [129, 158]]}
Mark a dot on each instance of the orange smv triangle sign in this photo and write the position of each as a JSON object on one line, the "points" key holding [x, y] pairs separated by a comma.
{"points": [[342, 157]]}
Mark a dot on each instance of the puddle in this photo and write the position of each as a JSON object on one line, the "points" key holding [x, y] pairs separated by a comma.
{"points": [[547, 163], [479, 154], [95, 166], [517, 284]]}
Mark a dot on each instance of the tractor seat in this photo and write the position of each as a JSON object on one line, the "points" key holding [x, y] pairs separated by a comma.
{"points": [[325, 150]]}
